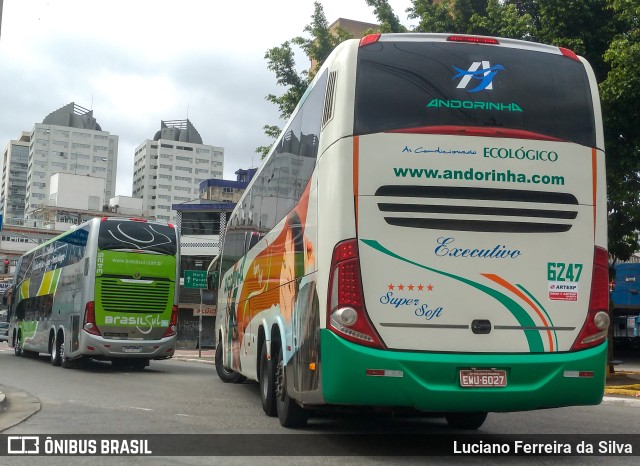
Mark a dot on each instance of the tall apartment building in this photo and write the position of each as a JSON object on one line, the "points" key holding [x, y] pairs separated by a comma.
{"points": [[69, 140], [13, 185], [169, 168]]}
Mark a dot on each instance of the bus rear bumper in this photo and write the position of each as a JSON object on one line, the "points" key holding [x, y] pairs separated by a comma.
{"points": [[102, 348], [358, 375]]}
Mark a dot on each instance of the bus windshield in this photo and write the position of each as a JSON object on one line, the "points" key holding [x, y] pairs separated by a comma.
{"points": [[403, 85], [138, 236]]}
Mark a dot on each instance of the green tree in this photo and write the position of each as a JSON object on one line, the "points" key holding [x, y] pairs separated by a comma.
{"points": [[387, 19], [503, 20], [434, 17], [281, 60], [621, 109]]}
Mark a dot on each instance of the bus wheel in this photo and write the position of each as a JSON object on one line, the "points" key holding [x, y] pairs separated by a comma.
{"points": [[226, 375], [267, 383], [466, 421], [17, 344], [55, 352], [65, 362], [290, 413]]}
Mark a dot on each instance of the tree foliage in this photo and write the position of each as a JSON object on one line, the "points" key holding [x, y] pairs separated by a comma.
{"points": [[621, 109], [388, 20], [605, 32]]}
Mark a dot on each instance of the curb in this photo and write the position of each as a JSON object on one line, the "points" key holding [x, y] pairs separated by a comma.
{"points": [[621, 400], [200, 360]]}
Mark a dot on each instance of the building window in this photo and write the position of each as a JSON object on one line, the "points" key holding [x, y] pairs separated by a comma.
{"points": [[200, 223]]}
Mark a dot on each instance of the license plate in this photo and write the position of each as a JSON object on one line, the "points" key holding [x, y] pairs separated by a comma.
{"points": [[131, 349], [483, 378]]}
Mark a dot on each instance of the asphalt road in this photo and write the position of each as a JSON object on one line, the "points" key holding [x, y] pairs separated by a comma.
{"points": [[181, 397]]}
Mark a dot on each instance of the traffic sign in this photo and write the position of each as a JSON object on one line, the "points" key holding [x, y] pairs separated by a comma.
{"points": [[195, 278]]}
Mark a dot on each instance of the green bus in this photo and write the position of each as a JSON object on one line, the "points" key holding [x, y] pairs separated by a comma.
{"points": [[107, 290]]}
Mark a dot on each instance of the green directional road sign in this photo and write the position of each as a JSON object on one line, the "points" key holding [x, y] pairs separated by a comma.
{"points": [[195, 279]]}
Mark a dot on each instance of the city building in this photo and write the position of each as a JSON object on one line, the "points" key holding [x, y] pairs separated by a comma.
{"points": [[357, 29], [201, 223], [168, 169], [66, 208], [69, 140], [13, 185]]}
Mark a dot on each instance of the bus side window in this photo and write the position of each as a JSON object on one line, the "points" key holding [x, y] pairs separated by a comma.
{"points": [[254, 238]]}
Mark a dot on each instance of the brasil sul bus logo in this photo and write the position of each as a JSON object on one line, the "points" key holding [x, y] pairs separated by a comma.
{"points": [[479, 71]]}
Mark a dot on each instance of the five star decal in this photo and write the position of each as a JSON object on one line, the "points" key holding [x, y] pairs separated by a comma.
{"points": [[410, 287]]}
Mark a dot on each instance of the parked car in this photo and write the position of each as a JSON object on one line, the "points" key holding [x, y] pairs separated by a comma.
{"points": [[4, 331]]}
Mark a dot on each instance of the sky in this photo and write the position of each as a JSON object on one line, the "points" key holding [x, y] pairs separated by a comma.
{"points": [[138, 62]]}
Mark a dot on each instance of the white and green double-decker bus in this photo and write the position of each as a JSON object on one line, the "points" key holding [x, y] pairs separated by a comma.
{"points": [[104, 290]]}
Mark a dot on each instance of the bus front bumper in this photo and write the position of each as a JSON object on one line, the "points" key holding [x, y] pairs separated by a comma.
{"points": [[357, 375]]}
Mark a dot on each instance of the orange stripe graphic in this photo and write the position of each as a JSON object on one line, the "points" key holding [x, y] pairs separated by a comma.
{"points": [[502, 282]]}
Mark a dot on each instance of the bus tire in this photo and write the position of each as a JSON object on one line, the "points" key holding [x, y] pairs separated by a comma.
{"points": [[267, 383], [226, 375], [17, 344], [65, 362], [290, 413], [465, 421], [55, 352]]}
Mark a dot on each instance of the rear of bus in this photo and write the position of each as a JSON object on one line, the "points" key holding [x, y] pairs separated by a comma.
{"points": [[477, 280], [134, 311]]}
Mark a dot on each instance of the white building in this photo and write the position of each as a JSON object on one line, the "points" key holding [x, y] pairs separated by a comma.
{"points": [[64, 189], [169, 168], [69, 140]]}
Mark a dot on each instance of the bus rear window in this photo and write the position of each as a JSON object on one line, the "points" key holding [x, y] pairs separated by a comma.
{"points": [[402, 85], [137, 236]]}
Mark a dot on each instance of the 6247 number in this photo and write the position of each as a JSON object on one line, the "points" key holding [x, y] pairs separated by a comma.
{"points": [[561, 272]]}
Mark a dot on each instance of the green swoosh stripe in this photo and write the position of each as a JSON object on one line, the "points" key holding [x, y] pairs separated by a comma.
{"points": [[524, 319]]}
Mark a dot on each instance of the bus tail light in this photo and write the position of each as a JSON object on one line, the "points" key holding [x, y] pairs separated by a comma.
{"points": [[173, 324], [569, 54], [474, 39], [596, 326], [89, 324], [346, 314], [369, 39]]}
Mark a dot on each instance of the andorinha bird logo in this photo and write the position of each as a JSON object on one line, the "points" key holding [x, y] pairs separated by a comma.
{"points": [[485, 75]]}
